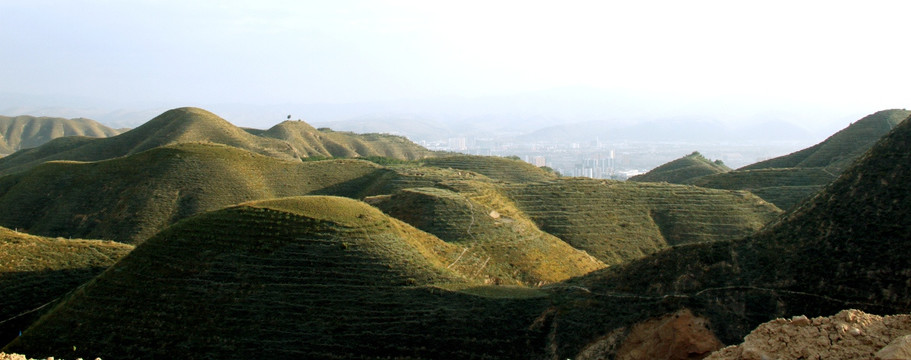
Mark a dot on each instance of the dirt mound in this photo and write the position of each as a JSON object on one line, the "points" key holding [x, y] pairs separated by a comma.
{"points": [[681, 335], [850, 334]]}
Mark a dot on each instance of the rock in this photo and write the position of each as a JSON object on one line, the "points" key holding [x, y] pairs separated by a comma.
{"points": [[850, 334], [898, 349]]}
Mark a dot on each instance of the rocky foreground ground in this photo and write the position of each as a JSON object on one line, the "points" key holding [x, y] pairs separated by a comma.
{"points": [[850, 334]]}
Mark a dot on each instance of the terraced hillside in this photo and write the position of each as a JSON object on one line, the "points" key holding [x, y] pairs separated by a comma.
{"points": [[129, 199], [189, 125], [491, 232], [22, 132], [682, 170], [786, 180], [621, 221], [841, 149], [313, 277], [307, 141], [35, 271], [843, 248], [496, 168]]}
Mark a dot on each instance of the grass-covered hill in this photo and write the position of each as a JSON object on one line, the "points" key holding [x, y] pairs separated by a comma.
{"points": [[312, 277], [491, 232], [786, 180], [845, 247], [841, 149], [683, 169], [620, 221], [35, 271], [308, 141], [497, 168], [288, 141], [131, 198], [22, 132]]}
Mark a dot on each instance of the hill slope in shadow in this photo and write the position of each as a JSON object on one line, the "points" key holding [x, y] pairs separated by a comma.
{"points": [[311, 277], [35, 271], [22, 132], [843, 248]]}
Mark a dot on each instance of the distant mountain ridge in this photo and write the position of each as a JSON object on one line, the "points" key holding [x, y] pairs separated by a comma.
{"points": [[288, 140], [23, 132]]}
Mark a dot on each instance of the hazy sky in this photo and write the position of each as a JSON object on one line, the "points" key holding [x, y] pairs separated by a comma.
{"points": [[839, 55]]}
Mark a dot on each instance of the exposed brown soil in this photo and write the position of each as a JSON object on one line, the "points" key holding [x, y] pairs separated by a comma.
{"points": [[850, 334]]}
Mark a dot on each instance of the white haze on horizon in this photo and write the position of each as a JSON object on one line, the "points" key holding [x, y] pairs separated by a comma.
{"points": [[819, 63]]}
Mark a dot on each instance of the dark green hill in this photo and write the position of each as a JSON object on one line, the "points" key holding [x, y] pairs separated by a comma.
{"points": [[318, 277], [620, 221], [786, 180], [289, 141], [131, 198], [35, 271], [308, 141], [846, 247], [493, 167], [22, 132], [682, 170]]}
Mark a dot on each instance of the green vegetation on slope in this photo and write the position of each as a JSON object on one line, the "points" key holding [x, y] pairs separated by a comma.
{"points": [[786, 180], [496, 168], [131, 198], [846, 247], [682, 170], [35, 271], [782, 187], [621, 221], [841, 149], [307, 141], [318, 277], [492, 233], [289, 141], [22, 132]]}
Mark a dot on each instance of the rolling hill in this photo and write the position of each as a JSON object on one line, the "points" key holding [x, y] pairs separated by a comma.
{"points": [[311, 277], [843, 248], [288, 141], [35, 271], [23, 132], [491, 231], [131, 198], [682, 170], [786, 180], [618, 221]]}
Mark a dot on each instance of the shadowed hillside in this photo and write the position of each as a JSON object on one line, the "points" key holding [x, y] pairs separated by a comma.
{"points": [[288, 141], [620, 221], [683, 169], [130, 199], [844, 248], [22, 132], [35, 271], [786, 180], [317, 277]]}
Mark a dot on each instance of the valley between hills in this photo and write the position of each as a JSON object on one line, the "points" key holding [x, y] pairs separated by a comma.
{"points": [[191, 237]]}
